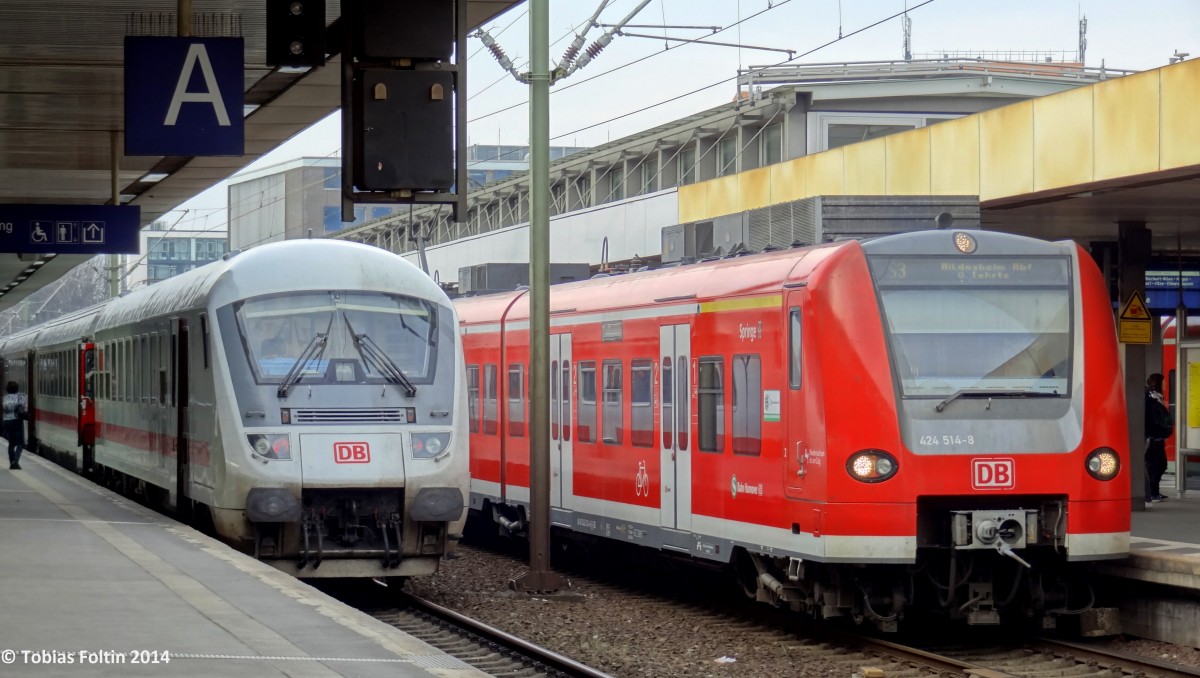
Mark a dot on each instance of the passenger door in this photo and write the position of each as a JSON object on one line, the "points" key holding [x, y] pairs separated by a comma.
{"points": [[561, 485], [797, 452], [675, 488]]}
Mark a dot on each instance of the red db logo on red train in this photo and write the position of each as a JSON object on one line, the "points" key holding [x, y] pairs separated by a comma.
{"points": [[352, 453], [993, 474]]}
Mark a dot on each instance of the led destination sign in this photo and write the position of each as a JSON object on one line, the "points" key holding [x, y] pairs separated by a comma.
{"points": [[952, 271]]}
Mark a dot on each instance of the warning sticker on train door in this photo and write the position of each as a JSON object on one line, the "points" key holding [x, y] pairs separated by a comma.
{"points": [[770, 405], [1133, 325]]}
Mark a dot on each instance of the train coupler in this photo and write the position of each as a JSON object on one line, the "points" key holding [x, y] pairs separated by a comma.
{"points": [[389, 526], [311, 528], [981, 606]]}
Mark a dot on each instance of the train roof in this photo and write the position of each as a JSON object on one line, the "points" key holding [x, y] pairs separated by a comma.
{"points": [[734, 276], [275, 267]]}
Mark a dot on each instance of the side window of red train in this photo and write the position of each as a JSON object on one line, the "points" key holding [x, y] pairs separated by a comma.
{"points": [[794, 348], [491, 415], [641, 407], [711, 407], [566, 400], [587, 402], [612, 419], [516, 400], [473, 397], [554, 400], [747, 404]]}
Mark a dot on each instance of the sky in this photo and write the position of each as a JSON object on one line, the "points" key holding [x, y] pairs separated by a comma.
{"points": [[635, 83]]}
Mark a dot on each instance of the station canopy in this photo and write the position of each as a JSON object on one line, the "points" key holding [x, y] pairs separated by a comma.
{"points": [[62, 98]]}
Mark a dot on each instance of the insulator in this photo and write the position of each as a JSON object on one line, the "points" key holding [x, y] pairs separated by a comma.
{"points": [[497, 51], [569, 55], [595, 48]]}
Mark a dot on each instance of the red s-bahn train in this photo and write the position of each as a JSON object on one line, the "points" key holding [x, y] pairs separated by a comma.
{"points": [[932, 421]]}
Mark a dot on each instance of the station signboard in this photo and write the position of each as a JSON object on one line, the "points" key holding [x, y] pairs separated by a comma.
{"points": [[69, 229], [183, 96]]}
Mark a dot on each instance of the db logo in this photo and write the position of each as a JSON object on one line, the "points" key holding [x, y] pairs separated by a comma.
{"points": [[993, 474], [352, 453]]}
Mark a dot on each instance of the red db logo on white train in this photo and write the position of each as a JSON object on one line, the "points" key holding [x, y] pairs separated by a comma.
{"points": [[352, 453], [993, 474]]}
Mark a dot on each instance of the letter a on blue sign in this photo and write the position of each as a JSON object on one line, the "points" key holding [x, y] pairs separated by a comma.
{"points": [[183, 96]]}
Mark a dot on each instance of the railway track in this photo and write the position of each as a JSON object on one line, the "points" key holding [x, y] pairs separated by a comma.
{"points": [[484, 647], [699, 627]]}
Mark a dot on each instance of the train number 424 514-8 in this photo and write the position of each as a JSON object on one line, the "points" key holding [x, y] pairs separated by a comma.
{"points": [[948, 440]]}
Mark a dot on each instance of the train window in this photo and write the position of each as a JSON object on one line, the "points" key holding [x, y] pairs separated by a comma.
{"points": [[491, 417], [794, 348], [516, 400], [566, 400], [711, 392], [339, 337], [204, 338], [668, 400], [1009, 334], [614, 430], [473, 397], [587, 402], [747, 404], [143, 363], [554, 401], [641, 415], [683, 419]]}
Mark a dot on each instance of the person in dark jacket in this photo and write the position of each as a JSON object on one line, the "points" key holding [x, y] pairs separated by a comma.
{"points": [[15, 413], [1158, 428]]}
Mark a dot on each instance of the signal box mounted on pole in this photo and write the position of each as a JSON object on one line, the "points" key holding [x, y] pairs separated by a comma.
{"points": [[403, 121]]}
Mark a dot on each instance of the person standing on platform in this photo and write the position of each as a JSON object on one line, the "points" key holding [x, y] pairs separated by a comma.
{"points": [[1158, 428], [16, 409]]}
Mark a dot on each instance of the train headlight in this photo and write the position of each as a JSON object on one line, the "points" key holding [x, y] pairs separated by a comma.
{"points": [[271, 445], [1103, 464], [430, 445], [871, 466]]}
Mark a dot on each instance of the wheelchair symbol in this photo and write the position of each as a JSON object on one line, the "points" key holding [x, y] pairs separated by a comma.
{"points": [[38, 234]]}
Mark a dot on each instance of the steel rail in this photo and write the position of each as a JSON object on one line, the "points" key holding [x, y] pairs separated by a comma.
{"points": [[550, 659], [1128, 663]]}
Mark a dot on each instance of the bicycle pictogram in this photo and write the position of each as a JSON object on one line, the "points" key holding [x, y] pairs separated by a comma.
{"points": [[642, 481]]}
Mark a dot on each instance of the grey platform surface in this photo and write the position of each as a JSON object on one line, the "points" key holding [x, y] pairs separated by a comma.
{"points": [[87, 578]]}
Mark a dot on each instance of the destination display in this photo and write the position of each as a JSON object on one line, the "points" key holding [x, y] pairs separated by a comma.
{"points": [[893, 271], [69, 229]]}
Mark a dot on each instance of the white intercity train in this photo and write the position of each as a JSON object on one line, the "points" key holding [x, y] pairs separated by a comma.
{"points": [[308, 396]]}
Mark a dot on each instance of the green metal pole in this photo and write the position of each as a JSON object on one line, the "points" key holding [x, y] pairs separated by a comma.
{"points": [[539, 578]]}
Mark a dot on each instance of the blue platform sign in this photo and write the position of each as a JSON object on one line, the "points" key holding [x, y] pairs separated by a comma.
{"points": [[69, 229], [183, 96]]}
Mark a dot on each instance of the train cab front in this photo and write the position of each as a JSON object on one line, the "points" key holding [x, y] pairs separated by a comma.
{"points": [[352, 462], [1010, 415]]}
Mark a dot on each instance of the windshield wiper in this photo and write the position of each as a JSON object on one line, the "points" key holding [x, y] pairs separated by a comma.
{"points": [[993, 393], [376, 358], [314, 350]]}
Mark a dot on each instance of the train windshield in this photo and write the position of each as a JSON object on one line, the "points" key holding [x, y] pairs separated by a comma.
{"points": [[985, 325], [339, 337]]}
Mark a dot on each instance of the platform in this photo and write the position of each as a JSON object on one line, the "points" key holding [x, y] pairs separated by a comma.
{"points": [[91, 582]]}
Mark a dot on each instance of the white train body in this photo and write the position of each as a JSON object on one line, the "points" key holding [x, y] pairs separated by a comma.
{"points": [[309, 395]]}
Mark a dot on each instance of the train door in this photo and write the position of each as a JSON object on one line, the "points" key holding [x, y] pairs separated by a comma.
{"points": [[86, 403], [797, 452], [179, 368], [31, 401], [675, 489], [561, 486]]}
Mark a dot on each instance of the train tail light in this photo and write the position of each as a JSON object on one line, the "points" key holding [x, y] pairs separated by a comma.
{"points": [[1103, 464], [871, 466]]}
